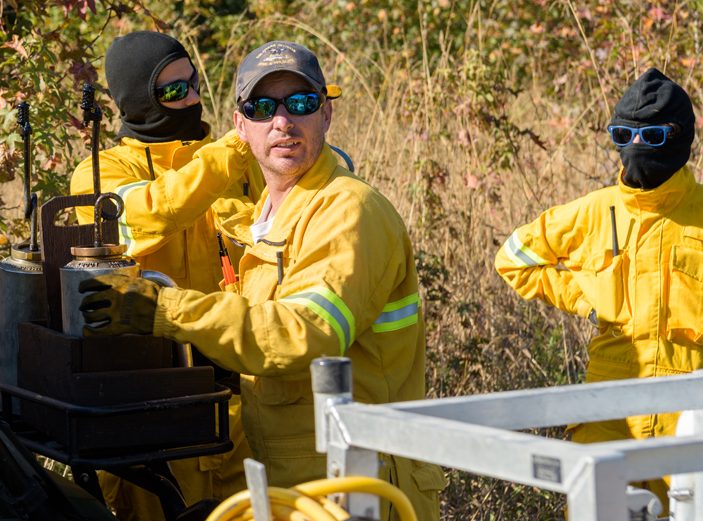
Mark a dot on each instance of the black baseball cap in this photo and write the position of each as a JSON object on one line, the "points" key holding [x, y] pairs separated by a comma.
{"points": [[279, 56]]}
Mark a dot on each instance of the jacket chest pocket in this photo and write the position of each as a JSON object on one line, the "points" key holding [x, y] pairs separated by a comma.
{"points": [[610, 290], [685, 302], [263, 269]]}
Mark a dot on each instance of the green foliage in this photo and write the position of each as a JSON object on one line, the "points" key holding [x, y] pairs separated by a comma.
{"points": [[433, 276], [47, 51]]}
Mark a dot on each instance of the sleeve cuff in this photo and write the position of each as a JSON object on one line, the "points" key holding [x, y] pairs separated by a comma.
{"points": [[167, 301]]}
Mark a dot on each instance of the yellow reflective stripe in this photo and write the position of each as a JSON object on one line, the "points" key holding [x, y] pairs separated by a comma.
{"points": [[330, 308], [520, 254], [405, 301], [397, 315], [394, 326], [125, 230]]}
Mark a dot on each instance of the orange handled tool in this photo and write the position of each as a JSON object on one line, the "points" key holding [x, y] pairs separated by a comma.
{"points": [[227, 269]]}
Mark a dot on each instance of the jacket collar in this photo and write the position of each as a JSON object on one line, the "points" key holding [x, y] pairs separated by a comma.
{"points": [[662, 199], [169, 154], [298, 198]]}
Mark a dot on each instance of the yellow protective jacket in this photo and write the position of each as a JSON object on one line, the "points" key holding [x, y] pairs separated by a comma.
{"points": [[169, 225], [648, 298], [334, 276]]}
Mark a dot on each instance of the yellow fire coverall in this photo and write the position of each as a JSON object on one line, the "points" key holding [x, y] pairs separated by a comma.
{"points": [[169, 225], [334, 276], [648, 298]]}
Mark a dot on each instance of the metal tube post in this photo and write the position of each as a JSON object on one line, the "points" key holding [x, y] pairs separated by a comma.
{"points": [[331, 384], [598, 491]]}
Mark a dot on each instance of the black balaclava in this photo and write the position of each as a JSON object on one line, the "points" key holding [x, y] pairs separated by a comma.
{"points": [[654, 100], [132, 64]]}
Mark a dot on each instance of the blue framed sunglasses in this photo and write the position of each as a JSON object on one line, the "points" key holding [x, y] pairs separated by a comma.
{"points": [[178, 90], [297, 104], [654, 135]]}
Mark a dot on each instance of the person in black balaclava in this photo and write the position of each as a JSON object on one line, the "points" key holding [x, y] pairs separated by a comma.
{"points": [[169, 222], [628, 258], [651, 101], [133, 82]]}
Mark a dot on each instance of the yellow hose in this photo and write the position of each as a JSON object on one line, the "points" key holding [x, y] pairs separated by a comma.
{"points": [[236, 507], [324, 487], [307, 501], [280, 512], [333, 508]]}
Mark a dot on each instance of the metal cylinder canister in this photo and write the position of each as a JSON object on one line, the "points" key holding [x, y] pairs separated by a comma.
{"points": [[89, 262], [22, 299]]}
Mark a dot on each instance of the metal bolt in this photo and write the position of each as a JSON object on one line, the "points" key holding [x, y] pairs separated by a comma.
{"points": [[681, 494]]}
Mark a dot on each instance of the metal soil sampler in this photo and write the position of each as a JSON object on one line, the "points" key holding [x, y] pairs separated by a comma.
{"points": [[22, 283]]}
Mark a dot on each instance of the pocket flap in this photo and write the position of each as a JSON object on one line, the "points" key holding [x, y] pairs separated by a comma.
{"points": [[688, 261], [693, 232], [428, 477], [276, 391]]}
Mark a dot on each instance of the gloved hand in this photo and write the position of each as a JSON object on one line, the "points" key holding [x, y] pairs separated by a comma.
{"points": [[120, 304]]}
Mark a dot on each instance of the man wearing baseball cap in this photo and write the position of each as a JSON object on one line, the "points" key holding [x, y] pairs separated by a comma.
{"points": [[328, 271]]}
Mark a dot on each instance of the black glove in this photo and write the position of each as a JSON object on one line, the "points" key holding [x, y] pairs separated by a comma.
{"points": [[120, 304]]}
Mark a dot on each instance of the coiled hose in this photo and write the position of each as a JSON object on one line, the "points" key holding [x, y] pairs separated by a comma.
{"points": [[307, 501]]}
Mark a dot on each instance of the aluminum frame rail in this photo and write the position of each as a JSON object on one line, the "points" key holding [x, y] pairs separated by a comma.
{"points": [[478, 434]]}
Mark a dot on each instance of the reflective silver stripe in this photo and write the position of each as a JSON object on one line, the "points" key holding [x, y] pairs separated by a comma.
{"points": [[332, 309], [399, 309], [521, 254], [392, 316], [125, 230]]}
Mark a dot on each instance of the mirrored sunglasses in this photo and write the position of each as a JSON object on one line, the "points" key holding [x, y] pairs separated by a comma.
{"points": [[654, 135], [298, 104], [178, 90]]}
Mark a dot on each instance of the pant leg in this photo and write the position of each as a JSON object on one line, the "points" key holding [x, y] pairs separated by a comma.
{"points": [[629, 428], [421, 483], [128, 501], [220, 475]]}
